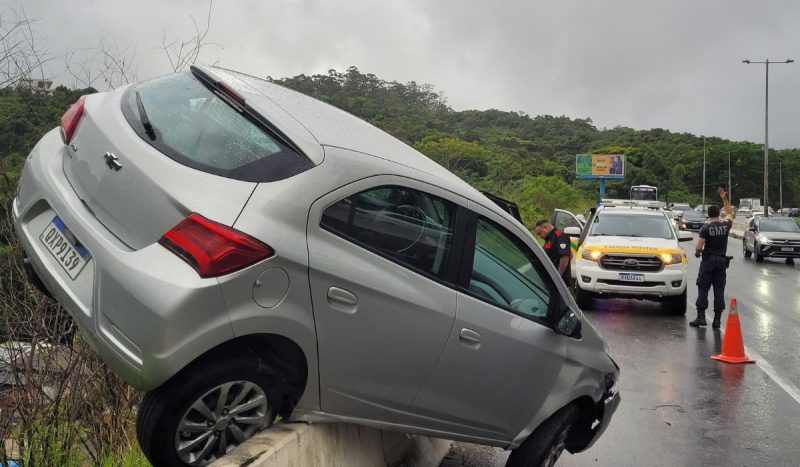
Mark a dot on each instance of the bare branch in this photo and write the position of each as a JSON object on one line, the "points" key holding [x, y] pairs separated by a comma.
{"points": [[182, 54]]}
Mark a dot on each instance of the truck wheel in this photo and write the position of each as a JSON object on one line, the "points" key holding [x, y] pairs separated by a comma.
{"points": [[545, 445], [583, 298], [747, 253], [202, 415], [676, 305]]}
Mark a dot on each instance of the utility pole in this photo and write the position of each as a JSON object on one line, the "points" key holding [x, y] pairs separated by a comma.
{"points": [[780, 180], [704, 175], [730, 188], [766, 129]]}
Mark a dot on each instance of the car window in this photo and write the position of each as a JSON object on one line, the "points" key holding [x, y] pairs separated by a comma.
{"points": [[563, 220], [506, 273], [196, 127], [405, 225], [778, 225]]}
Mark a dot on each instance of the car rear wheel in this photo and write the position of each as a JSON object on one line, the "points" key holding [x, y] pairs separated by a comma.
{"points": [[583, 298], [677, 304], [747, 253], [546, 444], [201, 416]]}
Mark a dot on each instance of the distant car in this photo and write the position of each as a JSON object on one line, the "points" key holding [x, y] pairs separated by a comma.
{"points": [[242, 251], [772, 237], [678, 208], [795, 212], [692, 220]]}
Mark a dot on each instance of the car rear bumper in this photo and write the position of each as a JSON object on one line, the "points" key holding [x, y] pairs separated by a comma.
{"points": [[145, 312], [668, 282]]}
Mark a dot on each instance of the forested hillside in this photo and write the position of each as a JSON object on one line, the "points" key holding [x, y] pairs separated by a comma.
{"points": [[528, 159], [532, 159]]}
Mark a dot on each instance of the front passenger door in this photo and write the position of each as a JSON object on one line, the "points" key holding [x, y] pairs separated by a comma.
{"points": [[502, 359]]}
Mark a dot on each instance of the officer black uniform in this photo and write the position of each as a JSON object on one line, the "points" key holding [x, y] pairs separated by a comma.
{"points": [[714, 265], [556, 245]]}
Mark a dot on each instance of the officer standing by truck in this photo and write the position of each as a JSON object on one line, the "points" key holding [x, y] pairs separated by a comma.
{"points": [[556, 245], [713, 247]]}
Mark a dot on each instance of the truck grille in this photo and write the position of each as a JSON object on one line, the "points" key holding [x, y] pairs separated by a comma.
{"points": [[623, 262]]}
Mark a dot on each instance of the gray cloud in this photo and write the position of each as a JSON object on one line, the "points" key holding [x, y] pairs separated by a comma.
{"points": [[672, 64]]}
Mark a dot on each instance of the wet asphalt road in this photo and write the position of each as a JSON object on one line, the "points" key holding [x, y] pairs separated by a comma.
{"points": [[681, 408]]}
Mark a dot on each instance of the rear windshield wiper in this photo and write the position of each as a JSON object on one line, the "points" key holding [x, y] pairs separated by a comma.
{"points": [[148, 127]]}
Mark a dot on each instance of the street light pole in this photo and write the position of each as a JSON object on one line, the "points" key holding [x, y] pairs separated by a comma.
{"points": [[766, 130], [704, 209]]}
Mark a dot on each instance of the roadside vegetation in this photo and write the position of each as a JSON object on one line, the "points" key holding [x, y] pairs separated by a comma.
{"points": [[61, 406]]}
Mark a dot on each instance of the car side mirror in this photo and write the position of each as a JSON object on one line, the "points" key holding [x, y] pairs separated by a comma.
{"points": [[573, 231], [684, 236], [569, 324]]}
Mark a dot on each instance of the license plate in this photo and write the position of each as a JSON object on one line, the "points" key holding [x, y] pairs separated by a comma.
{"points": [[787, 248], [64, 247], [631, 277]]}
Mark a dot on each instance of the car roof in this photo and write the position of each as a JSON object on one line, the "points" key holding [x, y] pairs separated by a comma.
{"points": [[333, 127]]}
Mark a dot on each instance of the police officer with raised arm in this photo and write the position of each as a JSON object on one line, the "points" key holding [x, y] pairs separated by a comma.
{"points": [[713, 247]]}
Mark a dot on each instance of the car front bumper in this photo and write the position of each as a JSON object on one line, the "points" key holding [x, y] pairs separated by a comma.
{"points": [[775, 250], [670, 281], [605, 411], [145, 312]]}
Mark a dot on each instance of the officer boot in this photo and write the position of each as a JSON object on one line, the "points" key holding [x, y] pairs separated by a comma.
{"points": [[700, 321], [717, 316]]}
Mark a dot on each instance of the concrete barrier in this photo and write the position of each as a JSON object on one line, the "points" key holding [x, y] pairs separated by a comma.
{"points": [[335, 445]]}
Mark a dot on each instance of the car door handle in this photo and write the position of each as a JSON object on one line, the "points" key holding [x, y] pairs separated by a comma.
{"points": [[469, 337], [345, 297]]}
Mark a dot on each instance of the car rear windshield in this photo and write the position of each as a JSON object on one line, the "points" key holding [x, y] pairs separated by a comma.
{"points": [[693, 215], [631, 225], [788, 225], [194, 125]]}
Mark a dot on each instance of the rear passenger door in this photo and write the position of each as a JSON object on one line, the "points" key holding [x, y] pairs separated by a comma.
{"points": [[502, 358], [380, 253]]}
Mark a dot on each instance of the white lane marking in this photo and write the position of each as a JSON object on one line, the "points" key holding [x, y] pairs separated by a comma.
{"points": [[767, 368]]}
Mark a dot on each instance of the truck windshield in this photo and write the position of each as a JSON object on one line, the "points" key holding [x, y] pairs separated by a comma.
{"points": [[631, 225]]}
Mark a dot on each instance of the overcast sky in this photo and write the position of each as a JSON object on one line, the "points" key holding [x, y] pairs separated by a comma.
{"points": [[674, 64]]}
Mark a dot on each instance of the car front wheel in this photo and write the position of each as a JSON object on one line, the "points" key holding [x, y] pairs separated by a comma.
{"points": [[759, 257], [546, 444], [201, 416], [747, 253], [583, 298]]}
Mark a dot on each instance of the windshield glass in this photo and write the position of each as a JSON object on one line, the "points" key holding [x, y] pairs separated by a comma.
{"points": [[631, 225], [778, 225], [193, 125], [680, 207], [639, 193], [693, 215]]}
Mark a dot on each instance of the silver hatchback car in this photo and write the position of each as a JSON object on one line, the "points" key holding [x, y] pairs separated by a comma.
{"points": [[241, 251]]}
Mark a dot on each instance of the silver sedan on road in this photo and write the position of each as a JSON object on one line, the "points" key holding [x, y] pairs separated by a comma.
{"points": [[242, 251]]}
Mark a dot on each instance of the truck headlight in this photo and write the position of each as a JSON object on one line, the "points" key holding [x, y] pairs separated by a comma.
{"points": [[591, 255], [668, 258]]}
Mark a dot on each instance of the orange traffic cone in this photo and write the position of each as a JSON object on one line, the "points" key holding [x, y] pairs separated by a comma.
{"points": [[732, 343]]}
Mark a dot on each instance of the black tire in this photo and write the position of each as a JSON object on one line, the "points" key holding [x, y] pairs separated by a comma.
{"points": [[747, 253], [165, 407], [583, 298], [789, 260], [677, 305], [544, 446], [757, 248]]}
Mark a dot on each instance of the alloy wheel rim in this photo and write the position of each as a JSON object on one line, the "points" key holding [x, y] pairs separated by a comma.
{"points": [[220, 420]]}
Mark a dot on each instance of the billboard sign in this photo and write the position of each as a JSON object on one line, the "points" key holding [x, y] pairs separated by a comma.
{"points": [[600, 166]]}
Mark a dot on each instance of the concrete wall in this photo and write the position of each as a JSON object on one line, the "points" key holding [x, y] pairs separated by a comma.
{"points": [[335, 445]]}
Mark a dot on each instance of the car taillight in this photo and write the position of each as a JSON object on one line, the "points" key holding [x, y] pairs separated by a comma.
{"points": [[70, 119], [213, 249]]}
